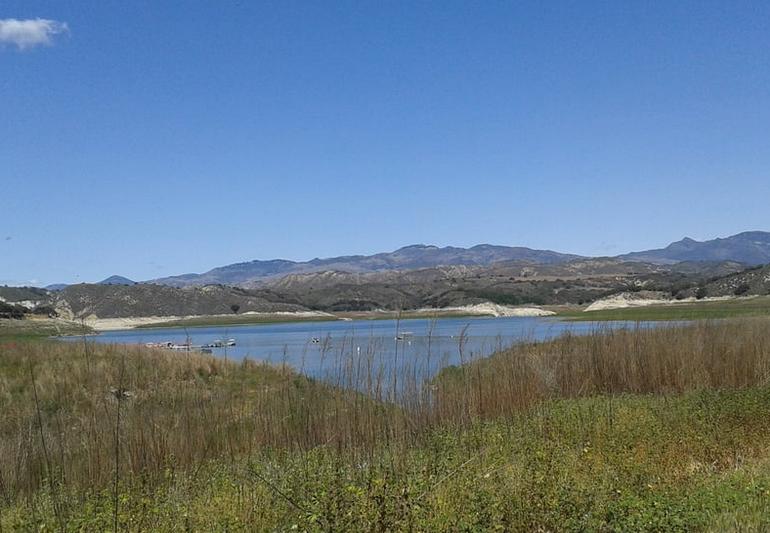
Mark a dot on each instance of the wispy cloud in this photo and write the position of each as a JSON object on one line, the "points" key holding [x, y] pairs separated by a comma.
{"points": [[31, 32], [20, 282]]}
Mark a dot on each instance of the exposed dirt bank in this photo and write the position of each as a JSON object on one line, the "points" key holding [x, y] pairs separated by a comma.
{"points": [[643, 299]]}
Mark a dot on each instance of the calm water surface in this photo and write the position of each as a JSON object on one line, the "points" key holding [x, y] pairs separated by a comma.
{"points": [[358, 347]]}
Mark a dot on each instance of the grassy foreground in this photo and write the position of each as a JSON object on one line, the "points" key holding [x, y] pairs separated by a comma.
{"points": [[710, 310], [617, 431]]}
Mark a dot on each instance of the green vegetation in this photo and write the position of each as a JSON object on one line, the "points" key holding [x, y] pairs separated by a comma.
{"points": [[406, 314], [236, 320], [657, 430], [32, 327], [268, 318], [734, 308]]}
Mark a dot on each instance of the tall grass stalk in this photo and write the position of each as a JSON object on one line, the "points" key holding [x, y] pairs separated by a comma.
{"points": [[189, 410]]}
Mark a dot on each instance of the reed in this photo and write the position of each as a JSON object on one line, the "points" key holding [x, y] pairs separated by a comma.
{"points": [[667, 360], [79, 418]]}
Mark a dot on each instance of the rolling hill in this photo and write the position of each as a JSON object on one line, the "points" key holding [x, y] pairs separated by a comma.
{"points": [[747, 248], [751, 282], [120, 301], [117, 280], [407, 258], [505, 282]]}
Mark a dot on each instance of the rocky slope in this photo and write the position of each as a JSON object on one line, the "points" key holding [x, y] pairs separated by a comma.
{"points": [[508, 283], [118, 301], [754, 281]]}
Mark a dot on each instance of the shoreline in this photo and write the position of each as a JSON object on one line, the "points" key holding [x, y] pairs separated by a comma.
{"points": [[172, 321], [285, 317], [673, 310]]}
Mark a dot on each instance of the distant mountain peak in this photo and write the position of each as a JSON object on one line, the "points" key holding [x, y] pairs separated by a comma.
{"points": [[414, 256], [116, 280], [418, 247], [749, 247], [762, 236]]}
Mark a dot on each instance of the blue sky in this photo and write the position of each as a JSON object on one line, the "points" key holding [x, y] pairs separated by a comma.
{"points": [[157, 138]]}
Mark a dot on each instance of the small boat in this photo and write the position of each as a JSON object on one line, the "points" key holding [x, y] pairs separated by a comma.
{"points": [[315, 340], [220, 343], [166, 344], [404, 335], [183, 346]]}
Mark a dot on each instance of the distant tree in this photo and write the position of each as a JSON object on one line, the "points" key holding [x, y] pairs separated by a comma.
{"points": [[701, 293], [235, 308], [11, 311], [45, 310], [743, 288]]}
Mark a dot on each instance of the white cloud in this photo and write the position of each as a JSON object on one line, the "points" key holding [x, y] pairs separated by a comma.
{"points": [[29, 33]]}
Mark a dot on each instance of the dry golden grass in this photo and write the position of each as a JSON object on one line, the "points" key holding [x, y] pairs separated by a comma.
{"points": [[80, 417], [60, 405], [669, 360]]}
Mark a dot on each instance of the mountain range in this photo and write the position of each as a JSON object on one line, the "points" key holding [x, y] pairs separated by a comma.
{"points": [[112, 280], [578, 281], [412, 257], [420, 276], [750, 248]]}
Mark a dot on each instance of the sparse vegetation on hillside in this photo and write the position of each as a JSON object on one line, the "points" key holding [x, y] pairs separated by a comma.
{"points": [[407, 258], [747, 248], [507, 283], [157, 300], [573, 282], [752, 281]]}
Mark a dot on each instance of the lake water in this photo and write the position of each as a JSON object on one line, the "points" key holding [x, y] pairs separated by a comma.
{"points": [[360, 347]]}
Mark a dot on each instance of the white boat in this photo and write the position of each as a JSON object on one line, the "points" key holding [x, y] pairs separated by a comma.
{"points": [[171, 345], [220, 343], [184, 346]]}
